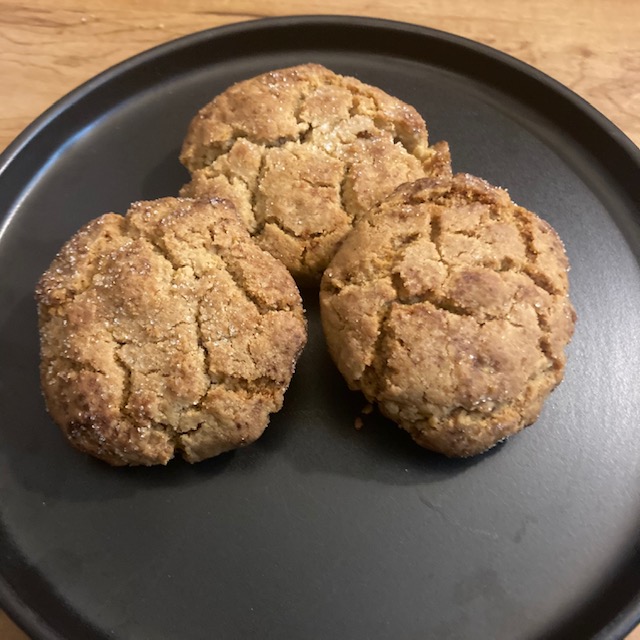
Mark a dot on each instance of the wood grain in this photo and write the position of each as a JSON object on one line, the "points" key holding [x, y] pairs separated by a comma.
{"points": [[49, 48]]}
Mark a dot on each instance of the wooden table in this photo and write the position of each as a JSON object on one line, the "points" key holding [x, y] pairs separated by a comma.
{"points": [[48, 48]]}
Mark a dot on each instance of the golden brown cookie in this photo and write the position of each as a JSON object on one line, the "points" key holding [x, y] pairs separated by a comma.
{"points": [[448, 306], [166, 330], [303, 153]]}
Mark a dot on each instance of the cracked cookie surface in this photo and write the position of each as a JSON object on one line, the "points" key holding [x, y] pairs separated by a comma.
{"points": [[166, 330], [303, 153], [448, 306]]}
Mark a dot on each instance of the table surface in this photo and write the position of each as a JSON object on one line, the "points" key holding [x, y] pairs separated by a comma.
{"points": [[48, 48]]}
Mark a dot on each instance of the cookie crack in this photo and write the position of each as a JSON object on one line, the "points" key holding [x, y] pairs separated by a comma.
{"points": [[507, 315], [212, 154], [342, 193], [262, 384], [435, 236], [297, 114], [525, 228], [303, 256], [544, 343], [349, 282], [398, 136], [321, 184], [206, 356], [262, 219], [373, 372], [127, 386], [257, 205], [354, 107], [297, 236], [234, 269], [201, 341], [442, 303], [159, 249], [74, 364], [540, 280]]}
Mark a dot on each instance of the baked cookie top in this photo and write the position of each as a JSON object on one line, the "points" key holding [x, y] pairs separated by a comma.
{"points": [[166, 330], [303, 152], [448, 306]]}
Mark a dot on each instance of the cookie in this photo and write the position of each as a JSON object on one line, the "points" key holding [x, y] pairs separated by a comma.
{"points": [[166, 330], [303, 153], [448, 307]]}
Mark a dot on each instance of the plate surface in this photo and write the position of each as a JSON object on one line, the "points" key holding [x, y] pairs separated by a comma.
{"points": [[318, 530]]}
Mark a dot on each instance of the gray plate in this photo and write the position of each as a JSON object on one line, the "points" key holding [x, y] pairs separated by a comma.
{"points": [[320, 531]]}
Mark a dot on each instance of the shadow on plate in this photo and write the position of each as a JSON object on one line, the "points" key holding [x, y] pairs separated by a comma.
{"points": [[36, 456], [316, 428], [166, 178], [314, 432]]}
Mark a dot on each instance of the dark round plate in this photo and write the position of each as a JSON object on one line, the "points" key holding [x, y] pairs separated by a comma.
{"points": [[318, 530]]}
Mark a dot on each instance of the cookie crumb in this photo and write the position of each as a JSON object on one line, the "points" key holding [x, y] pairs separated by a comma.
{"points": [[358, 424]]}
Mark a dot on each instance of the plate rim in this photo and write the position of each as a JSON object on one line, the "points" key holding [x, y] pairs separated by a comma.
{"points": [[17, 608], [253, 24]]}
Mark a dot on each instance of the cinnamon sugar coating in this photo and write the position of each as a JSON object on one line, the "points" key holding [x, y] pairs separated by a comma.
{"points": [[166, 330], [448, 307], [304, 152]]}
